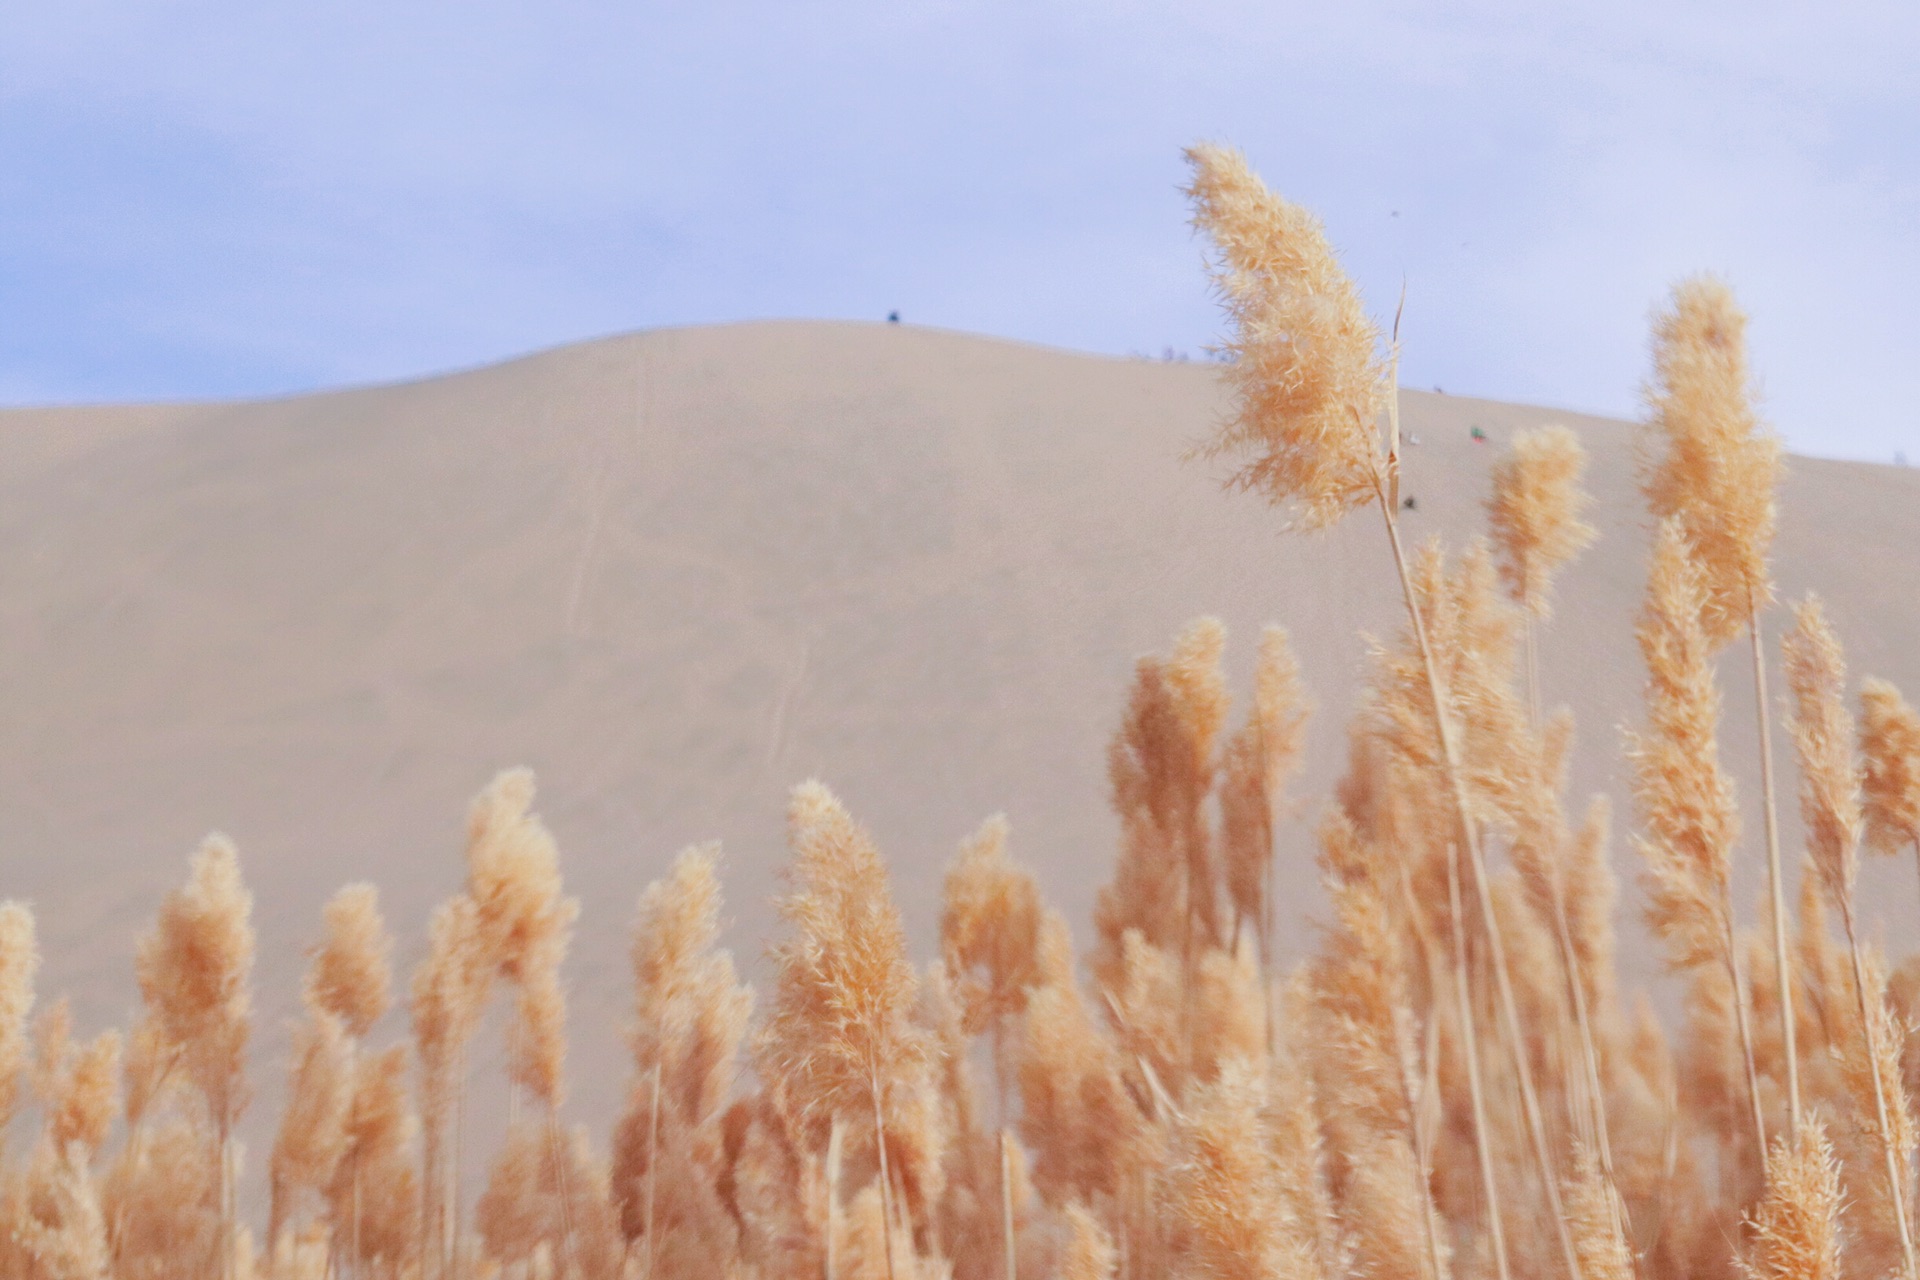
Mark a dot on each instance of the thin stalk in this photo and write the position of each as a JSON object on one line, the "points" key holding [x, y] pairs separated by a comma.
{"points": [[556, 1153], [1006, 1203], [1914, 836], [1896, 1184], [226, 1195], [450, 1222], [999, 1071], [1267, 983], [653, 1165], [1503, 982], [1186, 967], [116, 1230], [1422, 1155], [1738, 980], [1532, 652], [1776, 882], [1463, 996], [1569, 957], [836, 1138], [886, 1177]]}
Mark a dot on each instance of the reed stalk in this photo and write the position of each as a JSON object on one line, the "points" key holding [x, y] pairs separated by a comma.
{"points": [[1463, 1002], [1006, 1205], [1776, 876], [1469, 832]]}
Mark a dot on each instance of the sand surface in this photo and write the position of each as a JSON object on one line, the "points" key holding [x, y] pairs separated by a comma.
{"points": [[676, 573]]}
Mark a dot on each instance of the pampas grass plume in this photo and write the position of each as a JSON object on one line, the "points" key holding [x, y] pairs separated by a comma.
{"points": [[1535, 513], [1890, 776], [1304, 359], [194, 969], [1796, 1229], [82, 1108], [1713, 467], [990, 929], [1089, 1252], [1225, 1189], [1685, 799], [351, 974], [1823, 738], [844, 989], [19, 961], [313, 1126]]}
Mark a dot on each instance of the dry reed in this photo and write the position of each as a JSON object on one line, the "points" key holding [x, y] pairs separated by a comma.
{"points": [[1450, 1083]]}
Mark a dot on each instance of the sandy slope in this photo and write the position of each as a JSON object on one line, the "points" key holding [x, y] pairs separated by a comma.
{"points": [[678, 572]]}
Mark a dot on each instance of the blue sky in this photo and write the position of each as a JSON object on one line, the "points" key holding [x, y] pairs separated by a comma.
{"points": [[219, 198]]}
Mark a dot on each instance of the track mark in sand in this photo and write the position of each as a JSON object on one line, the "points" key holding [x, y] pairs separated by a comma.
{"points": [[577, 590], [598, 485]]}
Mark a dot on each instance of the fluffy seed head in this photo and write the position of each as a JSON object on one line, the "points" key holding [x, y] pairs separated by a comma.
{"points": [[1308, 382], [1711, 465], [1890, 767], [990, 929], [351, 975], [1822, 732], [1225, 1188], [82, 1108], [1535, 513], [841, 1025], [1089, 1253], [1796, 1229], [1689, 823], [194, 969], [313, 1127], [1255, 768], [19, 961]]}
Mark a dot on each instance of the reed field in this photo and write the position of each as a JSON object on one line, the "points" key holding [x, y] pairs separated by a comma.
{"points": [[1453, 1083]]}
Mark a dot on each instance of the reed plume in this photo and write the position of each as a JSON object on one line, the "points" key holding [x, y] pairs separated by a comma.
{"points": [[1713, 468], [1226, 1191], [1161, 767], [990, 923], [1823, 737], [1597, 1214], [1711, 465], [80, 1093], [1299, 326], [690, 1020], [1076, 1111], [19, 960], [58, 1228], [1366, 1069], [350, 976], [1089, 1252], [1304, 360], [1686, 801], [1796, 1230], [373, 1198], [1255, 769], [1535, 514], [194, 970], [313, 1127], [840, 1037], [448, 999], [1890, 772]]}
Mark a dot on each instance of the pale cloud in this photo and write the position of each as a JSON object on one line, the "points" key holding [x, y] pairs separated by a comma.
{"points": [[217, 197]]}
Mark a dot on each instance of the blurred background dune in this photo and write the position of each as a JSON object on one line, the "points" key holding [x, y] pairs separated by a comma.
{"points": [[679, 571]]}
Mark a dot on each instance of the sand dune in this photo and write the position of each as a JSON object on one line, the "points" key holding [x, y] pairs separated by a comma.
{"points": [[679, 571]]}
